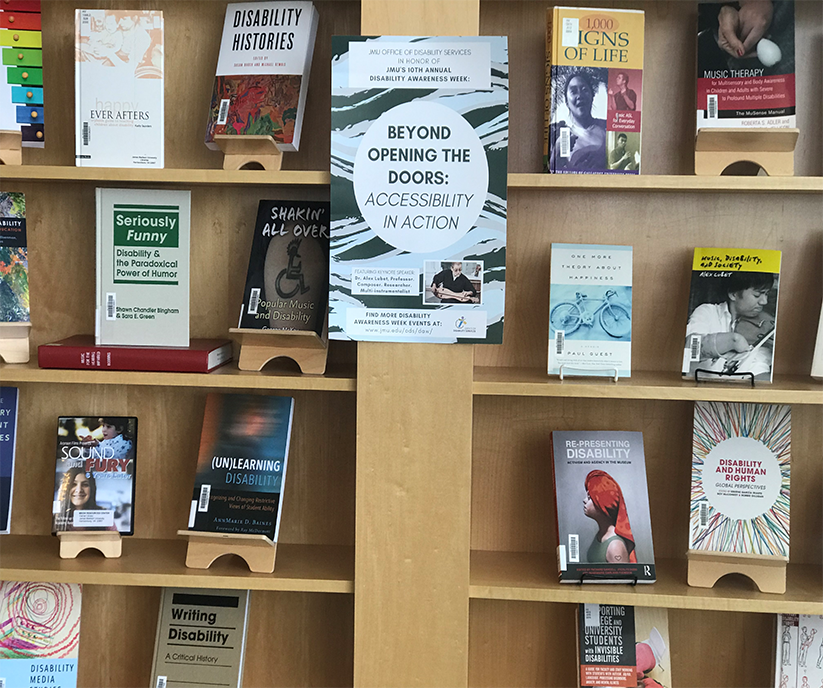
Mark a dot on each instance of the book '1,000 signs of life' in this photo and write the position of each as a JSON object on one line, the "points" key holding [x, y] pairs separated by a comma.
{"points": [[594, 90]]}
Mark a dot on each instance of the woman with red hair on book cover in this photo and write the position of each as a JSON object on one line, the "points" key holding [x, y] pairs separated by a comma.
{"points": [[605, 505]]}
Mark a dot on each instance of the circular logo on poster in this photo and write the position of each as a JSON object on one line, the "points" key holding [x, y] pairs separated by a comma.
{"points": [[741, 478], [420, 177]]}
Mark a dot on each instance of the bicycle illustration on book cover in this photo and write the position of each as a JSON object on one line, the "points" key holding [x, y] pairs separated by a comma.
{"points": [[598, 313]]}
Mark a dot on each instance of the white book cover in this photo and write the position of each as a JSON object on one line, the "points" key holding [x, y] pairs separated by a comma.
{"points": [[262, 76], [817, 359], [590, 310], [799, 652], [118, 73], [143, 267]]}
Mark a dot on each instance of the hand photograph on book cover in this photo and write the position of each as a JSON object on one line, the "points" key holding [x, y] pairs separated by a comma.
{"points": [[578, 118], [624, 150], [452, 281], [731, 325]]}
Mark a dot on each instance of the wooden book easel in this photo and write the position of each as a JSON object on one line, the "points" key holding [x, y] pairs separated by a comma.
{"points": [[14, 342], [11, 147], [304, 347], [771, 149], [258, 551], [72, 543], [239, 151], [767, 571]]}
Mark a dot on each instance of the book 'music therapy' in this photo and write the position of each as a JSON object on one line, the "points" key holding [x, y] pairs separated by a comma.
{"points": [[594, 90], [603, 521]]}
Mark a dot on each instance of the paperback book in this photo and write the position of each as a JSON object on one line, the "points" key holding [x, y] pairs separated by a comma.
{"points": [[746, 65], [143, 267], [8, 443], [14, 259], [40, 637], [94, 474], [621, 647], [118, 88], [79, 352], [419, 151], [241, 466], [262, 76], [817, 358], [732, 314], [604, 531], [201, 638], [21, 74], [594, 90], [799, 653], [287, 284], [590, 310], [741, 478]]}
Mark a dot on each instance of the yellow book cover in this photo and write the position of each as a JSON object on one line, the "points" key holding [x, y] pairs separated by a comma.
{"points": [[732, 314], [594, 90]]}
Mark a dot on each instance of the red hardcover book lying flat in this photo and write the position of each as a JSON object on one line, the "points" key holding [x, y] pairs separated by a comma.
{"points": [[79, 352]]}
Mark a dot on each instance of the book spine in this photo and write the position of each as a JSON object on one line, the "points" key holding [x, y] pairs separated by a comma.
{"points": [[113, 358], [78, 89], [547, 111]]}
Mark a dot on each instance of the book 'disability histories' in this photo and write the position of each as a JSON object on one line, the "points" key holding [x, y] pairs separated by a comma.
{"points": [[603, 521], [619, 646], [594, 90], [143, 267], [590, 310], [40, 636], [14, 259], [746, 65], [287, 284], [262, 77], [94, 474], [419, 151], [118, 88], [241, 466], [741, 478], [732, 321], [201, 638]]}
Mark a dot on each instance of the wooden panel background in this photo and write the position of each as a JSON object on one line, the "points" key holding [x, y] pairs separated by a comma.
{"points": [[293, 639]]}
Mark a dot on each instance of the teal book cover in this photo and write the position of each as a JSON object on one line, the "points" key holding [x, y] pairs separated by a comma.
{"points": [[419, 154]]}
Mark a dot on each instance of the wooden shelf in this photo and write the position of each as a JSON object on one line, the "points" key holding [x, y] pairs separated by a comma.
{"points": [[665, 182], [65, 173], [643, 385], [161, 563], [532, 577], [227, 377]]}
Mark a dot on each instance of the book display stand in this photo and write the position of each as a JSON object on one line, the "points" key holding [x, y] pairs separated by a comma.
{"points": [[109, 543], [11, 147], [14, 342], [605, 372], [709, 375], [772, 149], [308, 350], [240, 151], [258, 551], [768, 572]]}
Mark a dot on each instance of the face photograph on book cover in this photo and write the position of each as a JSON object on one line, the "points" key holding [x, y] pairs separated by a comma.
{"points": [[746, 36], [589, 312], [624, 150], [118, 38], [452, 281], [604, 501], [94, 473], [731, 325], [578, 118]]}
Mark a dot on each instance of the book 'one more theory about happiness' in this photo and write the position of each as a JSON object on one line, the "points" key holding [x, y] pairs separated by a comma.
{"points": [[118, 88], [14, 259], [619, 646], [741, 478], [732, 314], [201, 638], [594, 90], [40, 638], [241, 465], [590, 310], [745, 75], [94, 474], [143, 267], [262, 76], [603, 521], [287, 284]]}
